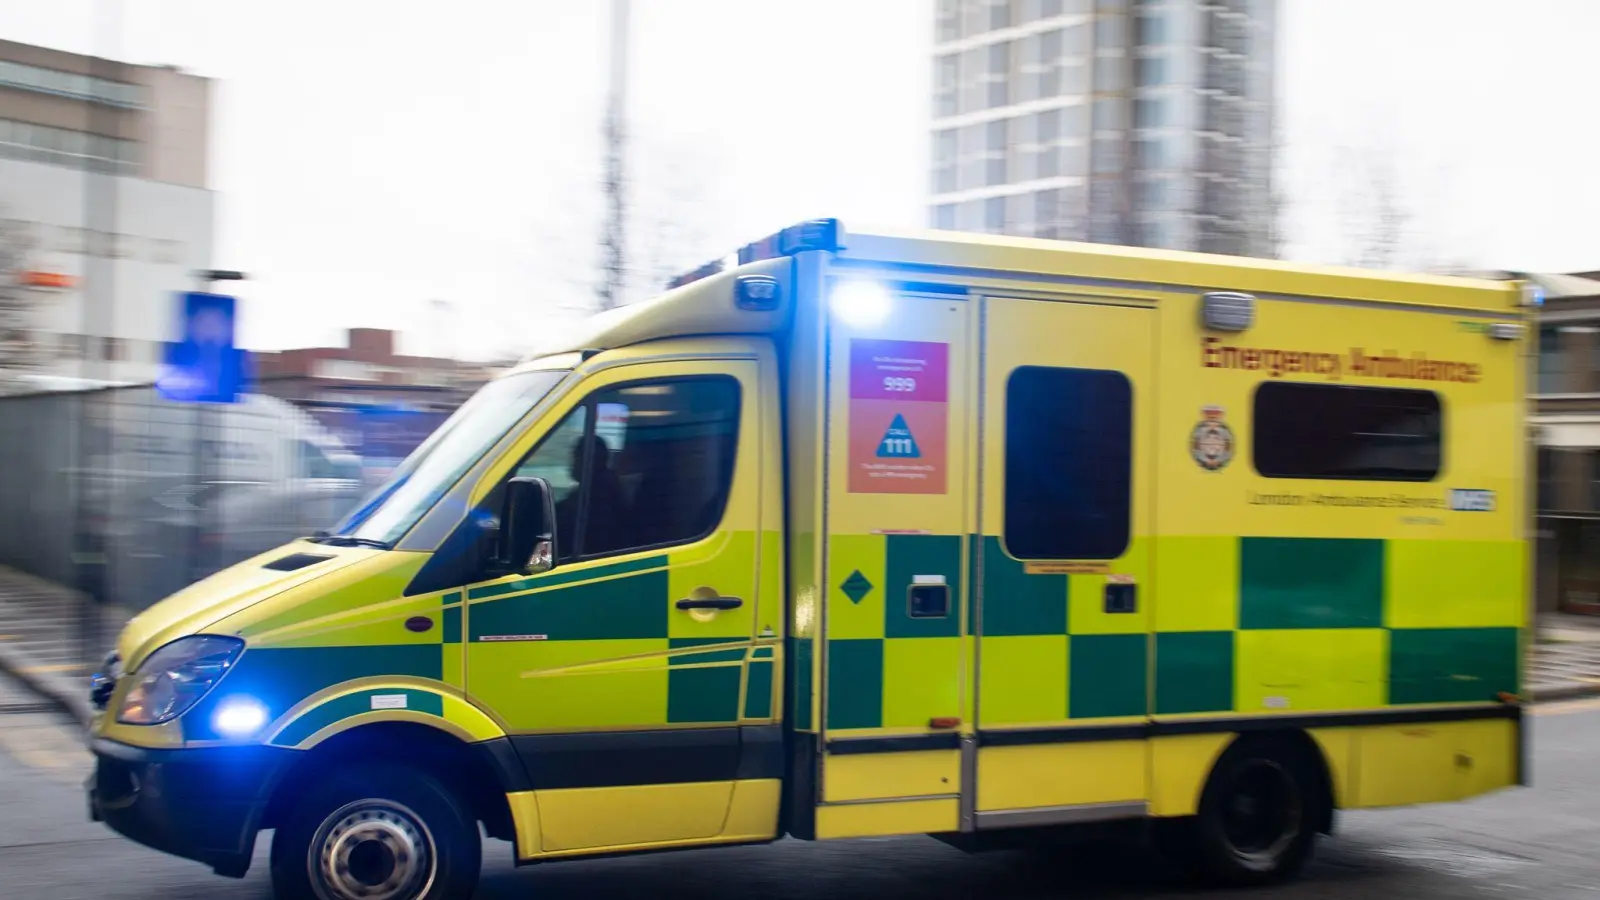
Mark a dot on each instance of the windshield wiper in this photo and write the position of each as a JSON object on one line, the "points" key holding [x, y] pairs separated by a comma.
{"points": [[345, 540]]}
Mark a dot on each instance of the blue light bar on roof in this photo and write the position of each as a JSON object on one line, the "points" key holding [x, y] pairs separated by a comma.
{"points": [[705, 271], [817, 234]]}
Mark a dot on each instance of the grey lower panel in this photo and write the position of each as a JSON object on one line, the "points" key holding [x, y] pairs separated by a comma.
{"points": [[1061, 815]]}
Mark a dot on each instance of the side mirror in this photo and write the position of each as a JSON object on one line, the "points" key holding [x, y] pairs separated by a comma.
{"points": [[528, 526]]}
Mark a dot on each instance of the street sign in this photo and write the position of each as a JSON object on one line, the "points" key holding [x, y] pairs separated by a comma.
{"points": [[204, 366]]}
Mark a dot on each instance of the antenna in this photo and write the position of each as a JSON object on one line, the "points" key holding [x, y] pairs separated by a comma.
{"points": [[615, 228]]}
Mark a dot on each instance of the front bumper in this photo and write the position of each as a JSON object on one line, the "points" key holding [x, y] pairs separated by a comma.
{"points": [[203, 803]]}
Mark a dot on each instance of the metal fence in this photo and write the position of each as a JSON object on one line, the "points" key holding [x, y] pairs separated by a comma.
{"points": [[130, 497]]}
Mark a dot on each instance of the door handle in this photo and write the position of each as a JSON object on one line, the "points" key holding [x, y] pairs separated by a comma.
{"points": [[710, 603]]}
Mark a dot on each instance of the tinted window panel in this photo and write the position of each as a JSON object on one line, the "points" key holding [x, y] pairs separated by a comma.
{"points": [[641, 465], [1336, 432], [1068, 463]]}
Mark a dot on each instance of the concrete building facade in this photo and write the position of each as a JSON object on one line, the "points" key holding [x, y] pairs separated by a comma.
{"points": [[1146, 122], [105, 213]]}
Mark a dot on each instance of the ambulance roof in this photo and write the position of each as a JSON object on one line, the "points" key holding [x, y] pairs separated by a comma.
{"points": [[703, 302]]}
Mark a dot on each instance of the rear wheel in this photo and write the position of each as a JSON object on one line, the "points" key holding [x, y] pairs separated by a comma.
{"points": [[1258, 815], [382, 834]]}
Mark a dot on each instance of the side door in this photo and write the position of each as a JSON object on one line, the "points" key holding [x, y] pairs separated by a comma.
{"points": [[896, 659], [622, 673], [1064, 563]]}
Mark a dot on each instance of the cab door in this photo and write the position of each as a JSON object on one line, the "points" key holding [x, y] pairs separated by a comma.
{"points": [[624, 673], [1064, 584]]}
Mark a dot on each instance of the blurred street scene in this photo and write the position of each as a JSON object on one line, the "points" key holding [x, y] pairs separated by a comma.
{"points": [[1162, 124], [385, 209], [1536, 842]]}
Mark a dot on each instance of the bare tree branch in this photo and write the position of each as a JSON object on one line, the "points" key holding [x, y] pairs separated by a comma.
{"points": [[1375, 214], [1275, 241], [19, 353], [668, 211]]}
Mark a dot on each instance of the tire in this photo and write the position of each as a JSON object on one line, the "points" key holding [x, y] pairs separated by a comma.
{"points": [[384, 833], [1258, 817]]}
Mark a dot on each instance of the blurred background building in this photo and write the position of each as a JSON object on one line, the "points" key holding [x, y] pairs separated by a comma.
{"points": [[1566, 423], [1146, 123], [367, 370], [105, 211], [376, 402]]}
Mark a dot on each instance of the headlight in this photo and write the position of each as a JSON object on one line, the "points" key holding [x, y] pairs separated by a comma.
{"points": [[174, 678]]}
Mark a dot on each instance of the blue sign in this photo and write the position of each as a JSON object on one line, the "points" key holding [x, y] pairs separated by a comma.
{"points": [[898, 442], [204, 366]]}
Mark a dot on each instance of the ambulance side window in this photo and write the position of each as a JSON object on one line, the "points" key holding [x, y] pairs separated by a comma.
{"points": [[1068, 463], [1347, 433], [641, 465]]}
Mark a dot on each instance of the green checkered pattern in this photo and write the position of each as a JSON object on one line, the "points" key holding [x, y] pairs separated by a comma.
{"points": [[885, 668], [1239, 625], [602, 645]]}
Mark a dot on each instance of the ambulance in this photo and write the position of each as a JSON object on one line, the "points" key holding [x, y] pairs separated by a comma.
{"points": [[854, 535]]}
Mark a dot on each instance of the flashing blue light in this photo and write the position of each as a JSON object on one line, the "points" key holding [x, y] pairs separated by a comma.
{"points": [[860, 304], [239, 717], [816, 234]]}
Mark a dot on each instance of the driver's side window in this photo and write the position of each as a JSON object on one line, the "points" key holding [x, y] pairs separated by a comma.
{"points": [[640, 465]]}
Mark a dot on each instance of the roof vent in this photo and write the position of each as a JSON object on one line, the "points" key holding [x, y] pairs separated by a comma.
{"points": [[295, 561]]}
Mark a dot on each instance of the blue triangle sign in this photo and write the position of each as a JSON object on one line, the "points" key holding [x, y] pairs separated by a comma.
{"points": [[897, 442]]}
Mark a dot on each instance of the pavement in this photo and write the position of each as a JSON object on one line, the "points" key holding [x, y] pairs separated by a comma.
{"points": [[52, 638], [1524, 842], [42, 626]]}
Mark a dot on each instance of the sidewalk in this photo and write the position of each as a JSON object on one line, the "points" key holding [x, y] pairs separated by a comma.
{"points": [[1565, 661], [41, 639], [40, 645]]}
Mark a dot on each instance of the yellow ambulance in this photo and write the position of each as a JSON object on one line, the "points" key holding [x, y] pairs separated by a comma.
{"points": [[864, 534]]}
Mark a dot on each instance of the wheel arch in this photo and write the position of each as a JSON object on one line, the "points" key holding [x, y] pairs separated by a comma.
{"points": [[1293, 743], [362, 702], [481, 773]]}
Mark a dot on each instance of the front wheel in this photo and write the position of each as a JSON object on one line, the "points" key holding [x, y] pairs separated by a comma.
{"points": [[379, 834]]}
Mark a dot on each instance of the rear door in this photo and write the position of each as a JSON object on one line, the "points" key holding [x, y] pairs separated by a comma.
{"points": [[1063, 562]]}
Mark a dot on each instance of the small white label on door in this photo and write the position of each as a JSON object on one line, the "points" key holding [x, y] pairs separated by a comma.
{"points": [[927, 579], [1275, 702], [388, 701]]}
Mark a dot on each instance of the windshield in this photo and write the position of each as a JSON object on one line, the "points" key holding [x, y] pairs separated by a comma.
{"points": [[448, 453]]}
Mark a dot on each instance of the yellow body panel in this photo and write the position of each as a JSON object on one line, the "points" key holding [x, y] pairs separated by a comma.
{"points": [[1073, 774], [1401, 765], [525, 821], [1310, 670], [853, 820], [877, 776], [1180, 767], [1338, 747], [590, 818]]}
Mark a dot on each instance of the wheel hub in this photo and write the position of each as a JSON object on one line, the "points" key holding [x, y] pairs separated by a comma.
{"points": [[372, 850], [1262, 816]]}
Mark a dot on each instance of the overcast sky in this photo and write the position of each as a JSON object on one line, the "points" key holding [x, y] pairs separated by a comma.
{"points": [[374, 155]]}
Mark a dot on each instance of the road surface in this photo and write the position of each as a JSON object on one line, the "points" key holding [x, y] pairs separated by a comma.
{"points": [[1536, 842]]}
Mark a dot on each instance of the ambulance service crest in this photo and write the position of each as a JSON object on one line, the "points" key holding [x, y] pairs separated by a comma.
{"points": [[1211, 442]]}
